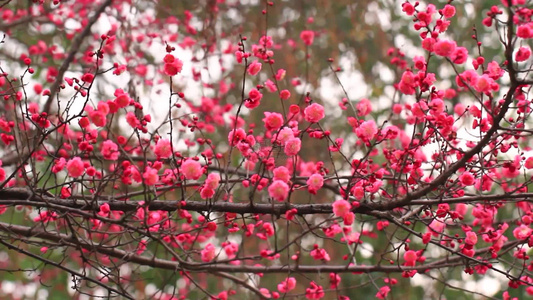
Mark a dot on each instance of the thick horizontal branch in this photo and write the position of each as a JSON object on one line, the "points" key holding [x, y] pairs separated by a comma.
{"points": [[66, 240], [23, 196]]}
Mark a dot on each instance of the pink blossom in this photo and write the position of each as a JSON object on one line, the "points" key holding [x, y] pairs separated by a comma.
{"points": [[364, 107], [163, 149], [307, 37], [280, 74], [420, 62], [287, 285], [471, 238], [522, 232], [110, 150], [314, 113], [428, 43], [212, 181], [320, 254], [391, 132], [358, 192], [334, 280], [98, 118], [235, 136], [529, 163], [265, 292], [314, 183], [206, 193], [231, 249], [348, 218], [494, 70], [436, 227], [132, 119], [408, 8], [523, 54], [273, 121], [292, 146], [282, 173], [284, 135], [410, 258], [314, 291], [278, 190], [191, 169], [459, 109], [84, 122], [87, 77], [367, 130], [103, 107], [208, 253], [484, 84], [254, 99], [448, 11], [467, 179], [75, 167], [524, 31], [408, 83], [461, 209], [122, 100], [341, 207], [254, 68], [58, 165], [172, 65], [150, 176], [444, 48], [284, 94], [271, 86], [383, 292]]}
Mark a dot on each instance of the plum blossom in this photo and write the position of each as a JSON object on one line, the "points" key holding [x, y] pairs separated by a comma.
{"points": [[522, 232], [285, 94], [284, 135], [278, 190], [191, 169], [211, 183], [208, 253], [444, 48], [150, 176], [448, 11], [467, 179], [471, 238], [314, 113], [273, 121], [320, 254], [110, 150], [254, 68], [314, 183], [287, 285], [163, 149], [172, 65], [307, 37], [367, 130], [292, 146], [341, 207], [410, 258], [383, 292], [314, 291], [254, 99], [282, 173], [75, 167], [364, 107], [523, 54], [236, 136]]}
